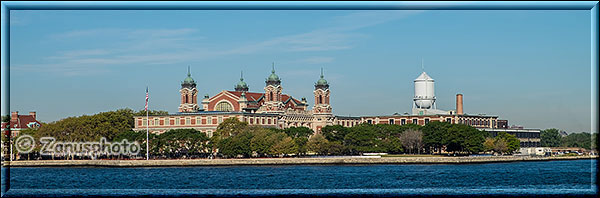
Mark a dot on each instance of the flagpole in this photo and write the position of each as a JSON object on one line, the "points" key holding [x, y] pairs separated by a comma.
{"points": [[147, 125]]}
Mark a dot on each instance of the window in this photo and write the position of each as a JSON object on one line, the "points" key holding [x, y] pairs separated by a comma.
{"points": [[403, 121], [155, 121], [209, 120], [414, 121], [426, 120], [224, 106], [167, 121], [369, 121], [448, 119], [198, 119], [144, 122], [320, 99], [391, 121], [209, 133], [188, 121], [251, 120], [271, 96], [219, 120]]}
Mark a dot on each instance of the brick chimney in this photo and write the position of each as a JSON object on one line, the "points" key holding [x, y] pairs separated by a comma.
{"points": [[14, 116], [32, 113], [459, 104]]}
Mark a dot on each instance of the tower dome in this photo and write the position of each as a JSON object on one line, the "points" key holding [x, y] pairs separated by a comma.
{"points": [[273, 79], [321, 83], [241, 86], [188, 82]]}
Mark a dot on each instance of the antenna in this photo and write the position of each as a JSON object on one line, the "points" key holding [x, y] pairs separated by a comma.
{"points": [[189, 71], [422, 64], [321, 72], [242, 75]]}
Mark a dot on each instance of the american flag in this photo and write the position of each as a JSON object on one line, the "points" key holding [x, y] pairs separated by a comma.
{"points": [[146, 98]]}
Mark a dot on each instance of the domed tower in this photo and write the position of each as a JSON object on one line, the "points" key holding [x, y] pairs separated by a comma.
{"points": [[424, 94], [273, 92], [321, 92], [189, 94], [241, 86]]}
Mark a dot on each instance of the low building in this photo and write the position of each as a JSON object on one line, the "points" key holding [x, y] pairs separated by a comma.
{"points": [[20, 122], [527, 137]]}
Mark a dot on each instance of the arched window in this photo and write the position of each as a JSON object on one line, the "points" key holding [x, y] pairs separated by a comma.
{"points": [[271, 96], [320, 99], [186, 98], [224, 106]]}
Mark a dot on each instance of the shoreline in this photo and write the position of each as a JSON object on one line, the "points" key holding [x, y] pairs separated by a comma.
{"points": [[285, 161]]}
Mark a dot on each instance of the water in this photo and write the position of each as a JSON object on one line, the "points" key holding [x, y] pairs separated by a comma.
{"points": [[550, 177]]}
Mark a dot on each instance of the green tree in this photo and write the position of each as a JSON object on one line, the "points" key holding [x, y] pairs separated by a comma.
{"points": [[284, 146], [334, 132], [296, 132], [464, 138], [5, 118], [238, 145], [512, 143], [582, 140], [435, 135], [318, 144], [550, 138], [230, 127]]}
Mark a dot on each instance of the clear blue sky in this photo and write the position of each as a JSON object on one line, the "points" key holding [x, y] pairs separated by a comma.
{"points": [[530, 67]]}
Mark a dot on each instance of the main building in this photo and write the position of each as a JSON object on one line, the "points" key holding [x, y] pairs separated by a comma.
{"points": [[273, 108]]}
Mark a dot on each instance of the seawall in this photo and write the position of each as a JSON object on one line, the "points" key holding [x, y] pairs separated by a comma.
{"points": [[285, 161]]}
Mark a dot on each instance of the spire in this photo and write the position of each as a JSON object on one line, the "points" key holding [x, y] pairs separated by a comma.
{"points": [[241, 75], [321, 72], [189, 74], [273, 70]]}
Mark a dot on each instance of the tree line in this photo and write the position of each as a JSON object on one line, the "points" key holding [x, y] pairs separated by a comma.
{"points": [[234, 138], [553, 138]]}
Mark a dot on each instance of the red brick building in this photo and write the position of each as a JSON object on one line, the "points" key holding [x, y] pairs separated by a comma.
{"points": [[19, 122]]}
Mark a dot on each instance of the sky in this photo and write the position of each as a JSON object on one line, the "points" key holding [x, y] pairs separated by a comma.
{"points": [[530, 67]]}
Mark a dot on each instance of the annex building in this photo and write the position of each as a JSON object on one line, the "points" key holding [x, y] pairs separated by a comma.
{"points": [[272, 108]]}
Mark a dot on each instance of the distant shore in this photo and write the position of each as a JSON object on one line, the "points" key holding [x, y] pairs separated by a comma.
{"points": [[286, 161]]}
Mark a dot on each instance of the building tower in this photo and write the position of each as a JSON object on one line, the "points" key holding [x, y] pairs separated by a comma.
{"points": [[189, 94], [241, 86], [424, 94], [321, 92], [273, 93]]}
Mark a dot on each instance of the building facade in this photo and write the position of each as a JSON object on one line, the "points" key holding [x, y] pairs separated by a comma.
{"points": [[273, 108], [19, 122]]}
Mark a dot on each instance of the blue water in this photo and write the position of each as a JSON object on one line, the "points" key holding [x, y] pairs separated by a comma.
{"points": [[550, 177]]}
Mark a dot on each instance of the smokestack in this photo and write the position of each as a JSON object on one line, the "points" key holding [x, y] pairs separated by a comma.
{"points": [[14, 116], [459, 104], [32, 113]]}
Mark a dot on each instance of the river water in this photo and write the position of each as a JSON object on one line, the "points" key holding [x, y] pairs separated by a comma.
{"points": [[575, 177]]}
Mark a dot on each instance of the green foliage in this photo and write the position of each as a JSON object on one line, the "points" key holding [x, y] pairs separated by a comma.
{"points": [[230, 127], [464, 138], [296, 132], [512, 143], [151, 113], [435, 135], [582, 140], [236, 145], [334, 132], [318, 144], [550, 138], [283, 146], [89, 127]]}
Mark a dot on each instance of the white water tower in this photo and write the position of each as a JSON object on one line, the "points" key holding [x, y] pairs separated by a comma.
{"points": [[424, 92]]}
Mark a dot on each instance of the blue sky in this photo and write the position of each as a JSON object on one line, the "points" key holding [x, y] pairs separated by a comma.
{"points": [[530, 67]]}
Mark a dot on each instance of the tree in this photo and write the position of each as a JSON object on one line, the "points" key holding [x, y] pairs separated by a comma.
{"points": [[412, 140], [500, 145], [238, 145], [512, 143], [362, 138], [5, 118], [334, 132], [582, 140], [296, 132], [550, 138], [435, 135], [392, 145], [318, 144], [260, 142], [488, 145], [230, 127], [284, 146], [465, 138]]}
